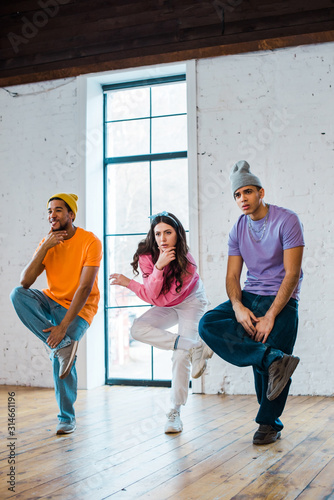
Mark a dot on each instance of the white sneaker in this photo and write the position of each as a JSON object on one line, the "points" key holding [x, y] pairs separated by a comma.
{"points": [[199, 357], [174, 423]]}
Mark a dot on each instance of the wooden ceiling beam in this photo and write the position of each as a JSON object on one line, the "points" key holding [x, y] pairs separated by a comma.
{"points": [[100, 64], [81, 36]]}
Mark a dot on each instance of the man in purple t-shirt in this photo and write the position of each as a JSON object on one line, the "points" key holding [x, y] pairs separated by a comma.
{"points": [[258, 326]]}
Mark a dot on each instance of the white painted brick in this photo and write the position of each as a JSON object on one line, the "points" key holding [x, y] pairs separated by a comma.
{"points": [[272, 108], [275, 110], [35, 130]]}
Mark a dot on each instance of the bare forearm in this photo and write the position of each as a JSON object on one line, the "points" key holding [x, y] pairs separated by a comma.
{"points": [[35, 267], [284, 293], [243, 315], [233, 290], [79, 300], [57, 333]]}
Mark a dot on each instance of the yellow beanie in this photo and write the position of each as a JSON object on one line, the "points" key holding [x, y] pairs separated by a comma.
{"points": [[70, 199]]}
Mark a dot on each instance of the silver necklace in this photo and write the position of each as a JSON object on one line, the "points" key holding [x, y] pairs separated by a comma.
{"points": [[258, 231]]}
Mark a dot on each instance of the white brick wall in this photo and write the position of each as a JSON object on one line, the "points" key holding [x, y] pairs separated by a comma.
{"points": [[37, 152], [274, 109]]}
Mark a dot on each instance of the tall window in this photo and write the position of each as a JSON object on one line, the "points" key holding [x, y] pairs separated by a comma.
{"points": [[146, 172]]}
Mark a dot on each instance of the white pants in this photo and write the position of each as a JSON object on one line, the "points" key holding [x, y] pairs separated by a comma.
{"points": [[150, 328]]}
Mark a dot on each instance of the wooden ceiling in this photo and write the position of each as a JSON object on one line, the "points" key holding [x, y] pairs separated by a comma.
{"points": [[47, 39]]}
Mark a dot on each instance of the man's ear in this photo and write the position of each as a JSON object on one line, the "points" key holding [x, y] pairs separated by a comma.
{"points": [[261, 193]]}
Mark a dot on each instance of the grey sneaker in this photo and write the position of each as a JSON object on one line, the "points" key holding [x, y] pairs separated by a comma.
{"points": [[174, 422], [66, 357], [66, 427], [199, 357], [279, 373], [266, 435]]}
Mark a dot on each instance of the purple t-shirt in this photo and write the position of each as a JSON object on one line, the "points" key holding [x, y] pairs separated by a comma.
{"points": [[264, 259]]}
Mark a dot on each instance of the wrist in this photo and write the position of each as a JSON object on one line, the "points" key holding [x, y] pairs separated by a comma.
{"points": [[236, 304], [270, 314], [44, 248], [159, 268], [64, 325]]}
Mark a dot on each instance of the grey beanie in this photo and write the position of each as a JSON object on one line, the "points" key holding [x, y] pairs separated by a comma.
{"points": [[242, 176]]}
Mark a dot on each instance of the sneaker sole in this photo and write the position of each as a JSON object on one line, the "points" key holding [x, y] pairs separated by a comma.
{"points": [[70, 363], [206, 354], [291, 366], [173, 431], [60, 432], [199, 372]]}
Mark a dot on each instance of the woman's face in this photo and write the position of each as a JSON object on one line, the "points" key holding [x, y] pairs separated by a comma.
{"points": [[165, 236]]}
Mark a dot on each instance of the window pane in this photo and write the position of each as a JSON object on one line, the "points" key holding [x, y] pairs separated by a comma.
{"points": [[128, 138], [128, 197], [170, 188], [169, 99], [140, 121], [126, 104], [169, 134], [128, 358], [119, 255]]}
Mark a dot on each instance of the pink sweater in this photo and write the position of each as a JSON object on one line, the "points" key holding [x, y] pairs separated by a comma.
{"points": [[151, 292]]}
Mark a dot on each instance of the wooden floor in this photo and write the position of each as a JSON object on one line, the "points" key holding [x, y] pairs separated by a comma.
{"points": [[119, 450]]}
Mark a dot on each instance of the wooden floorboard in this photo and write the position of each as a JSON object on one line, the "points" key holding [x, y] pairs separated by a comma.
{"points": [[119, 450]]}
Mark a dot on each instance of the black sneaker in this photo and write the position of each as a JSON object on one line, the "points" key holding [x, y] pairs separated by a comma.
{"points": [[279, 373], [266, 435]]}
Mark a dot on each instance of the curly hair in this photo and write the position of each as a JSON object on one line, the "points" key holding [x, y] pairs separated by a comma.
{"points": [[177, 268]]}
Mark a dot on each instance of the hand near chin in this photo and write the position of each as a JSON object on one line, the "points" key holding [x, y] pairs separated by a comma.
{"points": [[53, 238], [166, 256]]}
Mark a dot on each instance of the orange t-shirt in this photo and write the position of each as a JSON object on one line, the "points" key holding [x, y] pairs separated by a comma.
{"points": [[63, 265]]}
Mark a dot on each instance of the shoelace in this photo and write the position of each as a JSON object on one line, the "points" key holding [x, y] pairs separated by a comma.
{"points": [[172, 415]]}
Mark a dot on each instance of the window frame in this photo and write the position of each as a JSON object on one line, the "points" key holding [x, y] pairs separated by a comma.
{"points": [[179, 77]]}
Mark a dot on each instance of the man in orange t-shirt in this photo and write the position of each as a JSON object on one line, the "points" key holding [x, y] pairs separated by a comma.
{"points": [[60, 314]]}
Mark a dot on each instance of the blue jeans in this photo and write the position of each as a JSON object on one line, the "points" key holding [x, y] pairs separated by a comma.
{"points": [[38, 312], [226, 337]]}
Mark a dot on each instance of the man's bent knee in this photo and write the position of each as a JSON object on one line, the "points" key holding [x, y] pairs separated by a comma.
{"points": [[202, 326], [16, 293]]}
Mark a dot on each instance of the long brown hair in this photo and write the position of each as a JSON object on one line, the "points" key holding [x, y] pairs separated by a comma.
{"points": [[148, 246]]}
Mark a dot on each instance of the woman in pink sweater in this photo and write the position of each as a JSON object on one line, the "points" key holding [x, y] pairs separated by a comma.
{"points": [[172, 285]]}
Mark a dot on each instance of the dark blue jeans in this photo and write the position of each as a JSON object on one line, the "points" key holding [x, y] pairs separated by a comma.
{"points": [[226, 337]]}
